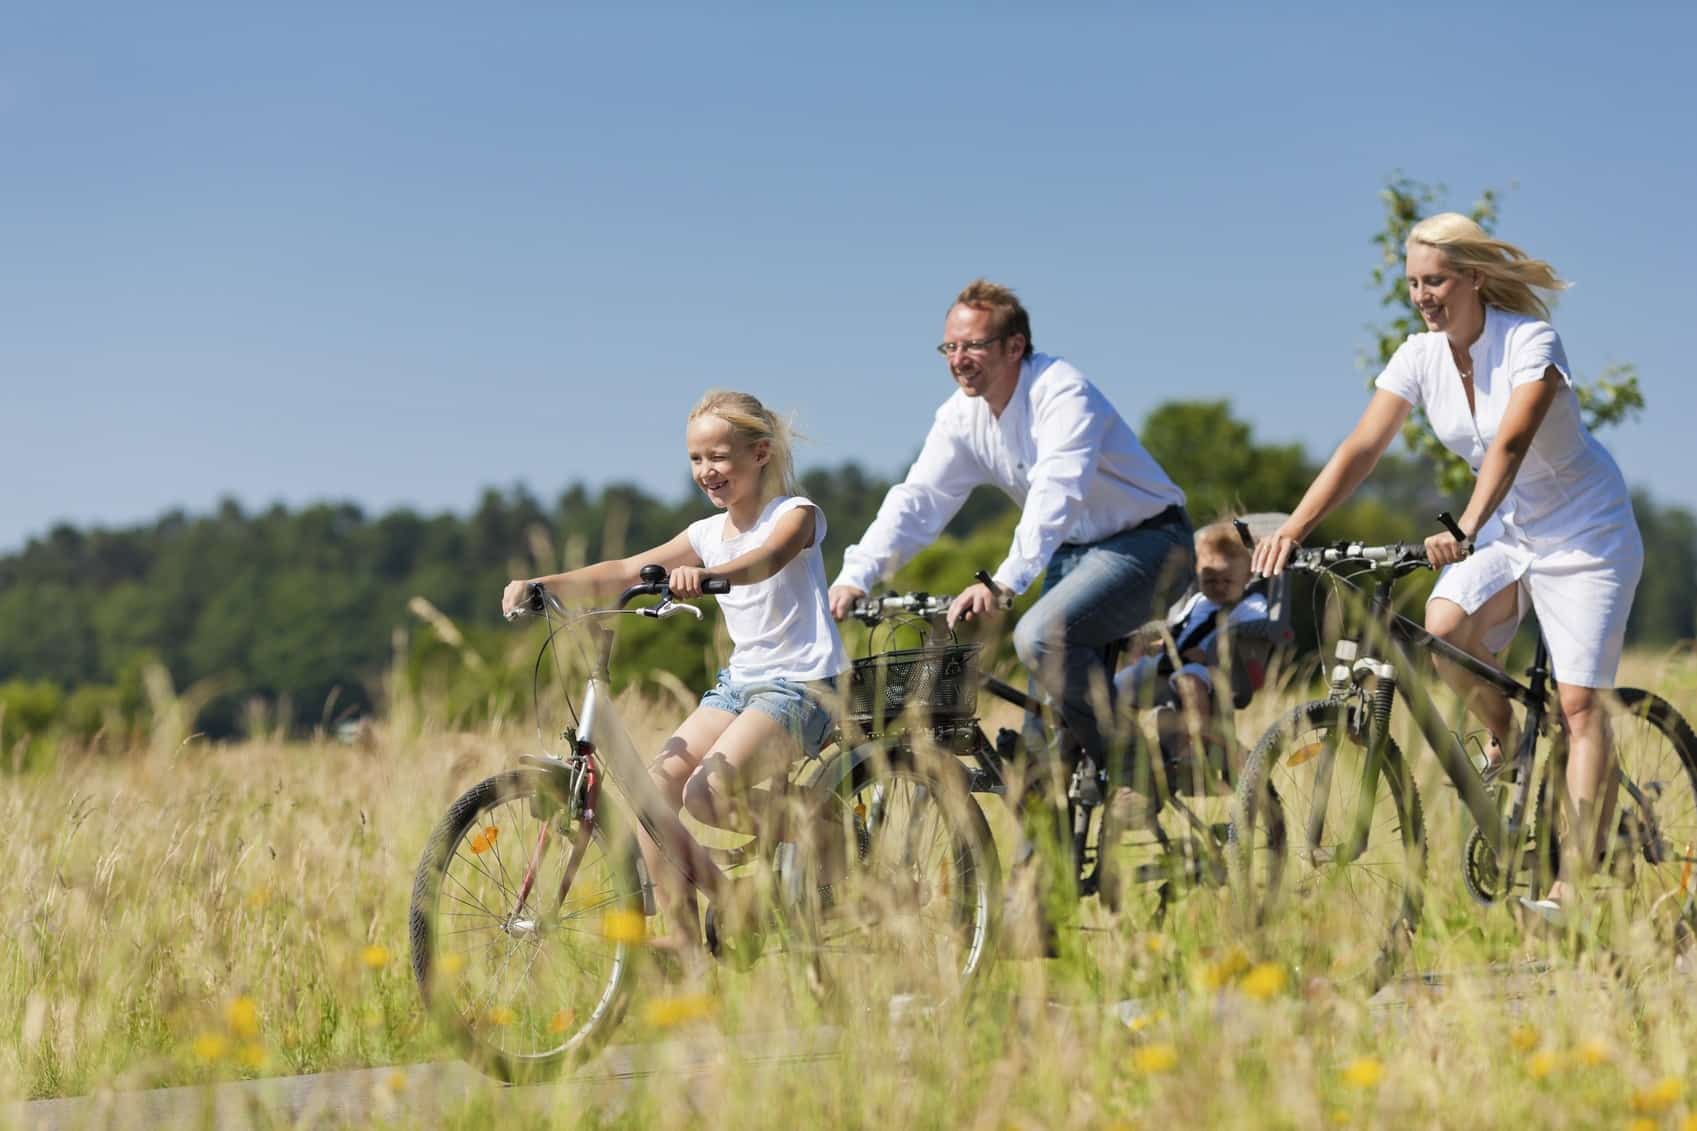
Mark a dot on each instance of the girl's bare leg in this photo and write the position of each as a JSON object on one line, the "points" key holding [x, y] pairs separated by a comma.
{"points": [[670, 773]]}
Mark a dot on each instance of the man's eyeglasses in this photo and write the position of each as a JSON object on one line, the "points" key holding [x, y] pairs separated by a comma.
{"points": [[974, 346]]}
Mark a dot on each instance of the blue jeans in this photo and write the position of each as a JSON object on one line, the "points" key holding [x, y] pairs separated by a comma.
{"points": [[1094, 594]]}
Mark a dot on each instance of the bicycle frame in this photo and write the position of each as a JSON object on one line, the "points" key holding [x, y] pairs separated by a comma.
{"points": [[1389, 636]]}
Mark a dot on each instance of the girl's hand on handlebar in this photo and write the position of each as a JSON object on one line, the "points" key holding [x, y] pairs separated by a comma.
{"points": [[979, 600], [1443, 549], [515, 598], [687, 581], [1272, 554]]}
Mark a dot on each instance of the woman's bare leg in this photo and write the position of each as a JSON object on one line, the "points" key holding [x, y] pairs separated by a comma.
{"points": [[1592, 786], [1454, 625]]}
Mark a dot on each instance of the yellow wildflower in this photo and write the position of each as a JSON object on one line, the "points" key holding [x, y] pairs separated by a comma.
{"points": [[1658, 1097], [1152, 1060], [450, 964], [663, 1013], [396, 1080], [1265, 980], [1364, 1072], [1524, 1037], [1641, 1125], [211, 1046], [562, 1021], [501, 1015], [1593, 1053], [624, 926], [242, 1015], [1540, 1064], [375, 956], [1220, 972], [252, 1054]]}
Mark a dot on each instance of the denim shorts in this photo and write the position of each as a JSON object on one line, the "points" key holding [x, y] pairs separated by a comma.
{"points": [[794, 703]]}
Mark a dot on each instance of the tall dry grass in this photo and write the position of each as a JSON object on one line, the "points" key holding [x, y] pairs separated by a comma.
{"points": [[196, 912]]}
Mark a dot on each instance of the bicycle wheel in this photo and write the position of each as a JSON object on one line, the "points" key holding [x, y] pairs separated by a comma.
{"points": [[1347, 919], [524, 923], [910, 908], [1647, 867]]}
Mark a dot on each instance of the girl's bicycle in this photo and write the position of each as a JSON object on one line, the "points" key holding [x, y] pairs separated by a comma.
{"points": [[530, 907], [1355, 827]]}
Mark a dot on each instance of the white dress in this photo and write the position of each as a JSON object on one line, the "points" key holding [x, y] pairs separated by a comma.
{"points": [[1565, 533]]}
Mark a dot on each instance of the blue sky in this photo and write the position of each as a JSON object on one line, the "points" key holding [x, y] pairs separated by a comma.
{"points": [[397, 254]]}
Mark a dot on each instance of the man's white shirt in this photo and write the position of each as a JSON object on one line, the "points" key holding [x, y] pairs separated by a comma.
{"points": [[1059, 449]]}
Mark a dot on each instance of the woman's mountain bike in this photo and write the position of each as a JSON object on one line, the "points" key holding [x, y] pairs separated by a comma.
{"points": [[1135, 851], [1353, 819], [531, 903]]}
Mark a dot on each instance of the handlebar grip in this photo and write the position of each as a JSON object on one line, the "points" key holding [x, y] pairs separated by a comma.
{"points": [[1243, 534], [715, 585], [1447, 521]]}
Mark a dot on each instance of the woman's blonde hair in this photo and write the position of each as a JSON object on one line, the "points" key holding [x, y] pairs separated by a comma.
{"points": [[750, 423], [1508, 275]]}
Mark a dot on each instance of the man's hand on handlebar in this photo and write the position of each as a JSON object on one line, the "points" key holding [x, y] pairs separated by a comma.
{"points": [[842, 599], [979, 599]]}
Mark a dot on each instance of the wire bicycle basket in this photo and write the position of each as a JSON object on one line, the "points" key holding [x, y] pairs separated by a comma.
{"points": [[936, 683]]}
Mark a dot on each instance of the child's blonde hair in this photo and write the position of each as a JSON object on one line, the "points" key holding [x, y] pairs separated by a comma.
{"points": [[1222, 538], [752, 422]]}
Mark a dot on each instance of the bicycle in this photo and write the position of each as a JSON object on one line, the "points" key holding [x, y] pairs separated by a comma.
{"points": [[530, 905], [1325, 759], [1189, 855]]}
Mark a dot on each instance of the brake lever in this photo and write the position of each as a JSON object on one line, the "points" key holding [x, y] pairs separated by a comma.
{"points": [[669, 608]]}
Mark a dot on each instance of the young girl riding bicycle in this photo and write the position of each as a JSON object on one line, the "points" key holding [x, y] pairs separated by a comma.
{"points": [[772, 701]]}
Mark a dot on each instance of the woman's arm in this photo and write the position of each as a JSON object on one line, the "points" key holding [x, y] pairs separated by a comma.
{"points": [[1527, 407], [1352, 462], [791, 534], [604, 579]]}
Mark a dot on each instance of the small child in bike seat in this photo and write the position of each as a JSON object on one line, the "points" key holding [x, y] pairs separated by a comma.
{"points": [[1181, 692], [773, 702]]}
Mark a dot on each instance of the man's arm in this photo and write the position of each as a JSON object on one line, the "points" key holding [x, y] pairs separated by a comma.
{"points": [[1070, 424], [912, 514]]}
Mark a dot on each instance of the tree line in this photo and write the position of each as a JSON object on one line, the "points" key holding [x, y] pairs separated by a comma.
{"points": [[295, 619]]}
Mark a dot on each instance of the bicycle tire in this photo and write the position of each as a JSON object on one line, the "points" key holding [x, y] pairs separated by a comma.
{"points": [[1367, 941], [1656, 750], [916, 907], [535, 1030]]}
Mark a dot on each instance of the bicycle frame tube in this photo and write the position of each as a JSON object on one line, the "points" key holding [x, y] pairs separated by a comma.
{"points": [[618, 759], [1389, 637]]}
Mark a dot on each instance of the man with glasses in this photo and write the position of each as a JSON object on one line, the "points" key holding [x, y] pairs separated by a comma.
{"points": [[1099, 518]]}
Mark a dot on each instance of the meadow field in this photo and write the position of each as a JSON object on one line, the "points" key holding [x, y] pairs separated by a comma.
{"points": [[187, 912]]}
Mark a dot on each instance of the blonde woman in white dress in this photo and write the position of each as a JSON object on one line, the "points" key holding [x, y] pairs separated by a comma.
{"points": [[1549, 525]]}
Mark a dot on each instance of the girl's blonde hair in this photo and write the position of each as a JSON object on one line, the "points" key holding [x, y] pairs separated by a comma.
{"points": [[1507, 273], [750, 423]]}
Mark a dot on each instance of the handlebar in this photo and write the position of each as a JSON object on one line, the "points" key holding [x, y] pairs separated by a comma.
{"points": [[871, 610], [537, 596]]}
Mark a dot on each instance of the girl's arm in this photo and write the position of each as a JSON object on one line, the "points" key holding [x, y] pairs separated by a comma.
{"points": [[791, 534], [1353, 461], [1527, 407], [604, 579]]}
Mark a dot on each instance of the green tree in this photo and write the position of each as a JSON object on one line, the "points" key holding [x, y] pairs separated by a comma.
{"points": [[1611, 398]]}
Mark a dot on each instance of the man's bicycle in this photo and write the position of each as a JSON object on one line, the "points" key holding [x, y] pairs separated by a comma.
{"points": [[530, 906], [1353, 817], [1174, 841]]}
